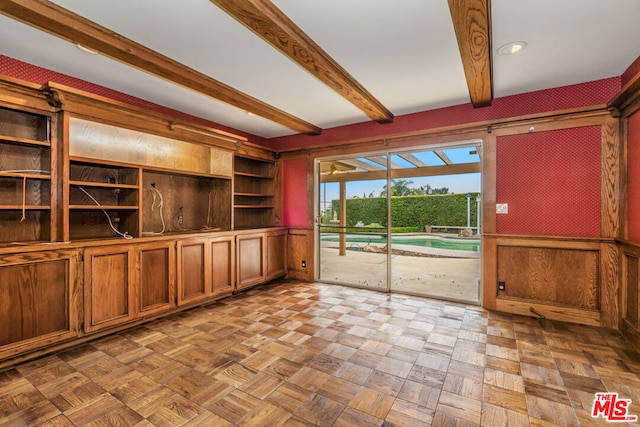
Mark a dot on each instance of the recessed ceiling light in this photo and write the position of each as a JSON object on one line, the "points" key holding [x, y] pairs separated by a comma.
{"points": [[86, 49], [249, 113], [511, 48]]}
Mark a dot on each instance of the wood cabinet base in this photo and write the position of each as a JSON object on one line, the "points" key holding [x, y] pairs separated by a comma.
{"points": [[74, 292]]}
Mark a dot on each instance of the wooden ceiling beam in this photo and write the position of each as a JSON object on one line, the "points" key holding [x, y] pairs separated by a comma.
{"points": [[472, 25], [63, 23], [273, 26]]}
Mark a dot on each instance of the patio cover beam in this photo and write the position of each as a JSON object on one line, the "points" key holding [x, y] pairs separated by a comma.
{"points": [[405, 173]]}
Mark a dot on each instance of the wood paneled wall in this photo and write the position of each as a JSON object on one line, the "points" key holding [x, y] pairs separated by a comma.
{"points": [[559, 278], [300, 249]]}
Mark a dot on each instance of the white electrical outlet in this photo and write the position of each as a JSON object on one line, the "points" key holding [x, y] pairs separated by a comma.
{"points": [[502, 208]]}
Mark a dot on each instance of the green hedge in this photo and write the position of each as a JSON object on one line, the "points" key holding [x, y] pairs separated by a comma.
{"points": [[412, 211]]}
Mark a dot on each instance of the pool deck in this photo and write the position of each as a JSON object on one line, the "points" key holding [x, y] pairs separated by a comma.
{"points": [[453, 278]]}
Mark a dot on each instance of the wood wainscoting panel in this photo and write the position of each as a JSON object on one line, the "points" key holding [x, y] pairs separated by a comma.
{"points": [[300, 254], [557, 276], [630, 286], [610, 285], [632, 281]]}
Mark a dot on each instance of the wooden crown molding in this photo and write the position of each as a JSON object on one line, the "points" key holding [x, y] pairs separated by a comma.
{"points": [[627, 99], [472, 25], [268, 22], [104, 109], [559, 119], [22, 94], [60, 22]]}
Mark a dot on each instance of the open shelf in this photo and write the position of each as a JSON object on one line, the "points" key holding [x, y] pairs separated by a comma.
{"points": [[99, 187], [253, 192], [252, 175], [88, 222], [24, 141], [97, 197], [25, 177], [174, 202]]}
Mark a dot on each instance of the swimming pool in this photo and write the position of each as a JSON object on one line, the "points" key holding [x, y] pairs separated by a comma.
{"points": [[436, 242]]}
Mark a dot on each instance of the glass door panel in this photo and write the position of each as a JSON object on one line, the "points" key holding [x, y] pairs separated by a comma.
{"points": [[435, 240], [353, 221]]}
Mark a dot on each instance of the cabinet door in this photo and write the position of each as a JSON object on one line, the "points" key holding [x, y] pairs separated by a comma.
{"points": [[250, 250], [194, 279], [38, 300], [156, 281], [109, 290], [276, 254], [222, 264]]}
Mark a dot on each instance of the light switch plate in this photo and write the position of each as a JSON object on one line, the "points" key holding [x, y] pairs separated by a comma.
{"points": [[502, 208]]}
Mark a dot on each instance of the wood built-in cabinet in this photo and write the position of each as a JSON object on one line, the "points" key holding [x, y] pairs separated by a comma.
{"points": [[126, 282], [103, 227], [260, 257], [250, 256], [27, 212], [156, 277], [254, 198], [276, 258], [39, 300], [109, 278], [205, 268]]}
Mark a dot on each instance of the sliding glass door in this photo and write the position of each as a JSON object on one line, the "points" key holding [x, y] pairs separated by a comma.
{"points": [[404, 221], [434, 223]]}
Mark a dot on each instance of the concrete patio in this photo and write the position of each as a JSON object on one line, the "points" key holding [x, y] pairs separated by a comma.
{"points": [[438, 277]]}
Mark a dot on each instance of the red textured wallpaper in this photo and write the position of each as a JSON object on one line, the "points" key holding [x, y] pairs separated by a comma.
{"points": [[551, 182], [34, 74], [633, 177], [566, 97], [294, 193]]}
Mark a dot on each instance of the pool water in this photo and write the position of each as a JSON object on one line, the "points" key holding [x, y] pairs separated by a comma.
{"points": [[423, 241]]}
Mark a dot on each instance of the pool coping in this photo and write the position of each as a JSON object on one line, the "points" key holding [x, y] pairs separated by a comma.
{"points": [[448, 253]]}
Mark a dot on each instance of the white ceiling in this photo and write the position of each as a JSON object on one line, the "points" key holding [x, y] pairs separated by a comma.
{"points": [[404, 52]]}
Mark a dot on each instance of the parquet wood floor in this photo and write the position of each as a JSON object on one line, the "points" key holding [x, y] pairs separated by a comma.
{"points": [[303, 354]]}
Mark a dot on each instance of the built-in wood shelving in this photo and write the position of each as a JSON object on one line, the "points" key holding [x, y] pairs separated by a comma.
{"points": [[25, 177], [100, 189], [253, 196]]}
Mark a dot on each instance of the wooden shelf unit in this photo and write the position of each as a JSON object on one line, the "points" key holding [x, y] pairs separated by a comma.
{"points": [[64, 273], [189, 202], [97, 189], [253, 192], [26, 174]]}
